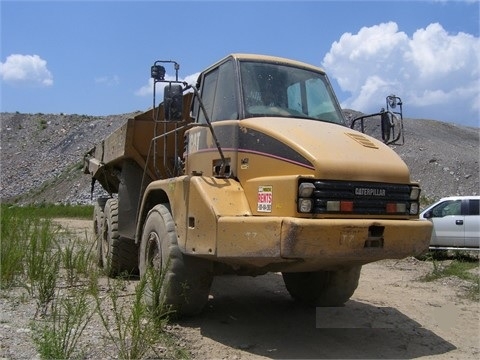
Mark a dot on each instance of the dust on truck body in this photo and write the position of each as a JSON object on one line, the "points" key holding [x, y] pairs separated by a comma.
{"points": [[253, 170]]}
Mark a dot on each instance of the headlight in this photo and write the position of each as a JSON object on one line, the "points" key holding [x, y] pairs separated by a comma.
{"points": [[413, 208], [305, 205], [414, 193], [305, 189]]}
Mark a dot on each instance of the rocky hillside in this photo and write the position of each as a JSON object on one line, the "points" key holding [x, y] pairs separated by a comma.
{"points": [[41, 156]]}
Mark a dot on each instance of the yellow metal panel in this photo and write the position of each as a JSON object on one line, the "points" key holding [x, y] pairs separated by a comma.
{"points": [[209, 199], [292, 244], [114, 144], [249, 237], [133, 141], [258, 165], [336, 153], [345, 238], [283, 197], [173, 190]]}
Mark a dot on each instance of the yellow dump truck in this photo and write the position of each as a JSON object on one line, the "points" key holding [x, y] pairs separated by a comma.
{"points": [[252, 170]]}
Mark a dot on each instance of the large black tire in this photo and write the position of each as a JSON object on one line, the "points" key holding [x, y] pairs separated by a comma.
{"points": [[98, 219], [185, 280], [119, 255], [323, 288]]}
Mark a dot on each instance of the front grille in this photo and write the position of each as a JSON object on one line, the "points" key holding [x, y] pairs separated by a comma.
{"points": [[368, 198]]}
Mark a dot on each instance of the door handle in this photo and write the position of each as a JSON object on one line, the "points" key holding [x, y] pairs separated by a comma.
{"points": [[458, 222]]}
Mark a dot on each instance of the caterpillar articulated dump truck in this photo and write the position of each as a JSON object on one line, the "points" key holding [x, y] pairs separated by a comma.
{"points": [[252, 170]]}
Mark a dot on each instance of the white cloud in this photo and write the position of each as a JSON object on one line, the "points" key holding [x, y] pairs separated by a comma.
{"points": [[147, 89], [435, 73], [108, 80], [26, 70]]}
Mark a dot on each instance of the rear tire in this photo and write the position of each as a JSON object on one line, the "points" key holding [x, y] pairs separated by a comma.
{"points": [[119, 255], [323, 288], [98, 219], [185, 281]]}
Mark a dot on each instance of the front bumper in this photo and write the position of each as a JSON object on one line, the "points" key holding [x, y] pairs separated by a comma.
{"points": [[296, 244]]}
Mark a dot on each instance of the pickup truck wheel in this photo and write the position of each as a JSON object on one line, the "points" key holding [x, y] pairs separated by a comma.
{"points": [[323, 288], [119, 255], [178, 281], [98, 216]]}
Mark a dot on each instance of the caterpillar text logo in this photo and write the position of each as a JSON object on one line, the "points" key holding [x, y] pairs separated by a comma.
{"points": [[369, 192]]}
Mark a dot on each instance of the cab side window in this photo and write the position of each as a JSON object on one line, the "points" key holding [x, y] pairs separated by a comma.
{"points": [[473, 207], [209, 87], [225, 106], [447, 208], [219, 94]]}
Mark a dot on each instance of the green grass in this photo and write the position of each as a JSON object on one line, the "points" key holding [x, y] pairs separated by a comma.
{"points": [[58, 271], [57, 335], [459, 264], [26, 235], [134, 330], [15, 232], [49, 211]]}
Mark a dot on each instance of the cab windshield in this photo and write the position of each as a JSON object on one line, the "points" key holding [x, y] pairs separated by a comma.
{"points": [[285, 91]]}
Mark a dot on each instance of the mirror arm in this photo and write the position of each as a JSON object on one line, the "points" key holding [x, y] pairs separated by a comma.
{"points": [[361, 119]]}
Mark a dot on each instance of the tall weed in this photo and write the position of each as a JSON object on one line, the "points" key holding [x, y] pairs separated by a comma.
{"points": [[58, 334], [77, 259], [15, 232], [131, 327], [28, 255], [37, 256], [42, 262]]}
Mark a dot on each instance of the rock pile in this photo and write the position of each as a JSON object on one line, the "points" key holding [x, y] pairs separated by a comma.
{"points": [[42, 155]]}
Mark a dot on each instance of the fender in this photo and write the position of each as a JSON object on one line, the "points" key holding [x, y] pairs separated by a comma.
{"points": [[196, 203]]}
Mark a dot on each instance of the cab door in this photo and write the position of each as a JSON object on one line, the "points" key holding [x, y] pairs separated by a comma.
{"points": [[448, 224], [472, 224]]}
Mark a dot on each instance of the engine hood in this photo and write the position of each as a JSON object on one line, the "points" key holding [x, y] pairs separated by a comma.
{"points": [[333, 151]]}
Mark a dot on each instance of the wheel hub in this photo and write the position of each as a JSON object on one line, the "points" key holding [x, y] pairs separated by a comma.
{"points": [[154, 253]]}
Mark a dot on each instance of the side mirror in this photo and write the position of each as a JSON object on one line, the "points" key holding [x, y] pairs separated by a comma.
{"points": [[387, 126], [392, 101], [173, 102], [427, 215]]}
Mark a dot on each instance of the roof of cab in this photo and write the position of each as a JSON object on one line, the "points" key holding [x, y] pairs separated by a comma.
{"points": [[477, 197], [268, 58]]}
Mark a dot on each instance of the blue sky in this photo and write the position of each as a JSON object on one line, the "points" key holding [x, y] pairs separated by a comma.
{"points": [[94, 57]]}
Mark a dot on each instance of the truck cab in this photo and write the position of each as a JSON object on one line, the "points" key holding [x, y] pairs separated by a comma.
{"points": [[244, 87]]}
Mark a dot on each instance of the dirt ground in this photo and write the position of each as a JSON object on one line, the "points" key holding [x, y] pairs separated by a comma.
{"points": [[392, 315]]}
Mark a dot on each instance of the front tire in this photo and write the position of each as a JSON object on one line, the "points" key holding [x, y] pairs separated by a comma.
{"points": [[323, 288], [185, 280]]}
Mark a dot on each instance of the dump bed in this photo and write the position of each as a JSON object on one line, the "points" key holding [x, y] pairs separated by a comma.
{"points": [[134, 141]]}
